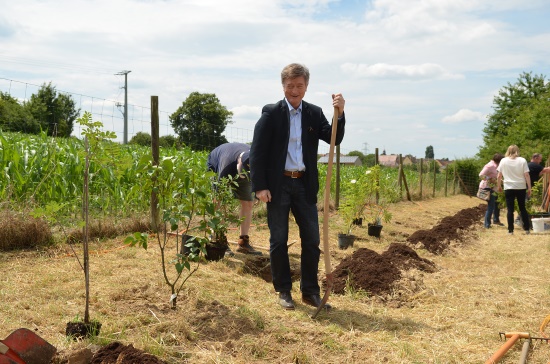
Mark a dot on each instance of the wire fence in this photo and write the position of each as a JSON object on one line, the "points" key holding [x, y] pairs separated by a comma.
{"points": [[111, 114]]}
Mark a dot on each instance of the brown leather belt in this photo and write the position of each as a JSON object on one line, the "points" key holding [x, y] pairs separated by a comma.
{"points": [[294, 174]]}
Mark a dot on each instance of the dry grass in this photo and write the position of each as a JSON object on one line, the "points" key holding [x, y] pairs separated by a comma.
{"points": [[20, 231], [108, 228], [491, 283]]}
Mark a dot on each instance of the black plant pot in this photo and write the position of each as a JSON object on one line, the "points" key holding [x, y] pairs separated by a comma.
{"points": [[80, 330], [215, 251], [358, 221], [374, 230], [345, 240]]}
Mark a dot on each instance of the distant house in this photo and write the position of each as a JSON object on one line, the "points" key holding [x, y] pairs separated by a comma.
{"points": [[350, 160], [389, 160], [409, 160], [443, 163]]}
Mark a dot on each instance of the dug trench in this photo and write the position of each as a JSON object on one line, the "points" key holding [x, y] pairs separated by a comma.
{"points": [[376, 274], [383, 276]]}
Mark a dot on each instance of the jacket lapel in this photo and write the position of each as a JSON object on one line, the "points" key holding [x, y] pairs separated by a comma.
{"points": [[307, 129], [285, 116]]}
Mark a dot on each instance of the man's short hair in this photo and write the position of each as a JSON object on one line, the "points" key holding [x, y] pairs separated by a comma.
{"points": [[294, 70], [536, 156]]}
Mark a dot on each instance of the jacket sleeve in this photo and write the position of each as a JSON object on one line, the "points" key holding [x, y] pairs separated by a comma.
{"points": [[259, 152], [326, 129]]}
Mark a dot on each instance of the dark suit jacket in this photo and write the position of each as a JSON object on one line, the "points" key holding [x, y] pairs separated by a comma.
{"points": [[270, 145]]}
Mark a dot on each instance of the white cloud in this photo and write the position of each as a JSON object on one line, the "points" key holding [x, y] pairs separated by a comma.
{"points": [[464, 116], [382, 70], [400, 64], [245, 111], [419, 126]]}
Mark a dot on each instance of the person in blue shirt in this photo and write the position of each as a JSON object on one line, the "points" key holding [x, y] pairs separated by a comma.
{"points": [[283, 170], [232, 159]]}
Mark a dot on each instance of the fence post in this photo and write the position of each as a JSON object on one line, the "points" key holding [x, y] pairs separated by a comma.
{"points": [[405, 183], [420, 176], [378, 180], [155, 217], [446, 178], [454, 179], [435, 179], [463, 184], [399, 178]]}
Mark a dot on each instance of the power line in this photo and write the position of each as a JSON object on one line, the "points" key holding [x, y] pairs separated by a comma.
{"points": [[125, 73], [52, 64], [137, 115]]}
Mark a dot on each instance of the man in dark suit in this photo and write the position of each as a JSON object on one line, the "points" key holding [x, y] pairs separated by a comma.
{"points": [[283, 161]]}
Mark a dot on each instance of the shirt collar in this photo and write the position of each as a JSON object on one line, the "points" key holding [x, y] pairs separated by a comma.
{"points": [[290, 107]]}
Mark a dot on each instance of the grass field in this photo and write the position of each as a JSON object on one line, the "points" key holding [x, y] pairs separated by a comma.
{"points": [[489, 283]]}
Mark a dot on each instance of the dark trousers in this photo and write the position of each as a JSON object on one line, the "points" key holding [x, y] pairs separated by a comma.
{"points": [[511, 196], [492, 210], [293, 198]]}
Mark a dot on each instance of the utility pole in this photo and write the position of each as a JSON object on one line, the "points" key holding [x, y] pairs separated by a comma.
{"points": [[366, 148], [125, 73]]}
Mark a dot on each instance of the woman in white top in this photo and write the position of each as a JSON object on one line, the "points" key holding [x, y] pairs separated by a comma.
{"points": [[513, 170]]}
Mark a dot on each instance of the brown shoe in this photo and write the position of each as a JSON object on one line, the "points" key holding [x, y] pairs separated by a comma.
{"points": [[245, 247]]}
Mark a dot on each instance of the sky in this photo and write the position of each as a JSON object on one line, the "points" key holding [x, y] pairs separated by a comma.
{"points": [[414, 73]]}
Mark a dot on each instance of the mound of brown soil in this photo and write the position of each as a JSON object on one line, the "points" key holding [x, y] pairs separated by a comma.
{"points": [[261, 267], [376, 273], [403, 257], [117, 353], [451, 228], [365, 270]]}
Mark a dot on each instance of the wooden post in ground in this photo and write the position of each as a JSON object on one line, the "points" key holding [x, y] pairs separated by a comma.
{"points": [[376, 161], [435, 179], [463, 185], [420, 176], [405, 184], [399, 178], [155, 215], [446, 179], [454, 179]]}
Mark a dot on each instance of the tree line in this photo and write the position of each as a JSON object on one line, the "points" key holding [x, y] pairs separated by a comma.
{"points": [[521, 116], [47, 110], [199, 122]]}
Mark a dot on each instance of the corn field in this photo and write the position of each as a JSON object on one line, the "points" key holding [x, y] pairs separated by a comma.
{"points": [[37, 170]]}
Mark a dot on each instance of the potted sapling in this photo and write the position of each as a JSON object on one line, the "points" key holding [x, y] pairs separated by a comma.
{"points": [[221, 213], [183, 190]]}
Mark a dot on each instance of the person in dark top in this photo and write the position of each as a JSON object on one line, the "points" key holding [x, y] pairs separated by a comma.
{"points": [[283, 161], [536, 170], [232, 159]]}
